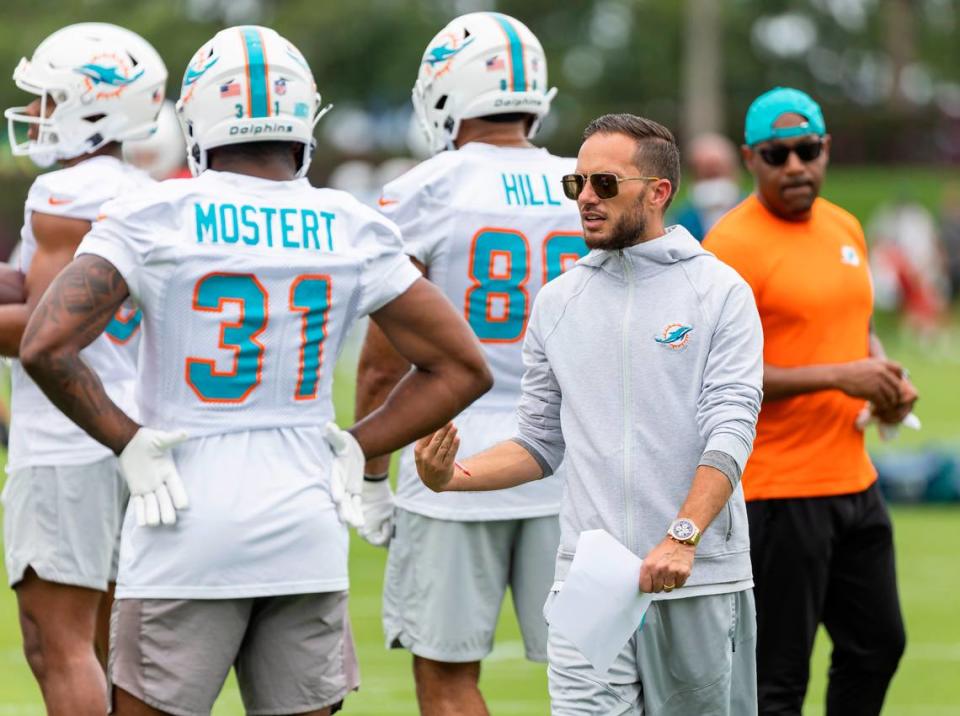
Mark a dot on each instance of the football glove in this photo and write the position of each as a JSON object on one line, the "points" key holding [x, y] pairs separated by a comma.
{"points": [[346, 477], [156, 490], [377, 510]]}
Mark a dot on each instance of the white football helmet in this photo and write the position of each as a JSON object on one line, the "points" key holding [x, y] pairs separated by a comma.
{"points": [[105, 82], [480, 64], [248, 84]]}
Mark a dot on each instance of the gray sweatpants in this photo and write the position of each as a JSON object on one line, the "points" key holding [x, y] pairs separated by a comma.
{"points": [[691, 656]]}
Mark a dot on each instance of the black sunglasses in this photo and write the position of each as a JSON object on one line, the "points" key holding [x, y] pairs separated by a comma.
{"points": [[606, 185], [776, 155]]}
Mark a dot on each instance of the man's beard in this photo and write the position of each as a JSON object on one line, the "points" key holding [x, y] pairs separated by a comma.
{"points": [[628, 231]]}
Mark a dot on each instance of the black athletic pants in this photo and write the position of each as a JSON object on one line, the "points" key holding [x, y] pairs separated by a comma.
{"points": [[829, 560]]}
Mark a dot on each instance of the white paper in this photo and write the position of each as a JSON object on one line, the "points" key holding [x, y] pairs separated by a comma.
{"points": [[600, 604]]}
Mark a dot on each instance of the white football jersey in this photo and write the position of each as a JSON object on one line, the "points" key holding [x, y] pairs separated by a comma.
{"points": [[492, 226], [39, 433], [248, 287]]}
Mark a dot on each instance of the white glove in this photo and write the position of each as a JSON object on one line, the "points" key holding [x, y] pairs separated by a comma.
{"points": [[156, 490], [346, 478], [886, 430], [377, 512]]}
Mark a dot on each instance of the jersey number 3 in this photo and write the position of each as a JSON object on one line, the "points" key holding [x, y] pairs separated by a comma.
{"points": [[309, 296], [497, 304]]}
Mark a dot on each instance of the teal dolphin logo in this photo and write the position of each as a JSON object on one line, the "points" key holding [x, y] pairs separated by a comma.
{"points": [[675, 335], [193, 75], [443, 52], [106, 75]]}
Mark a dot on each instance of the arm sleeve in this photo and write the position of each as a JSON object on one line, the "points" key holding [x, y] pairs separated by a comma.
{"points": [[538, 414], [732, 390], [118, 237], [387, 272], [416, 202]]}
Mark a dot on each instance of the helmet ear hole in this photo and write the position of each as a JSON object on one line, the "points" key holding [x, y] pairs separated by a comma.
{"points": [[441, 103]]}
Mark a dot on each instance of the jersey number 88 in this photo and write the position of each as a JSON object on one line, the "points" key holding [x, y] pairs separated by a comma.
{"points": [[497, 305]]}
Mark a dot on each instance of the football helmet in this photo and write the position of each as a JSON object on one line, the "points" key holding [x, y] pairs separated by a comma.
{"points": [[105, 82], [248, 84], [480, 64]]}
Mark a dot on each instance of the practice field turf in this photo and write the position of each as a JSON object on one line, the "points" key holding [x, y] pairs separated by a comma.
{"points": [[926, 684]]}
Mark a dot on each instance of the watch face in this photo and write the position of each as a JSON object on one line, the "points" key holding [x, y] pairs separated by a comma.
{"points": [[683, 529]]}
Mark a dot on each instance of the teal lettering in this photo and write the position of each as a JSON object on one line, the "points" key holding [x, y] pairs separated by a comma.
{"points": [[229, 230], [206, 223], [533, 197], [329, 219], [310, 223], [523, 191], [286, 227], [510, 189], [268, 212], [254, 238], [546, 188]]}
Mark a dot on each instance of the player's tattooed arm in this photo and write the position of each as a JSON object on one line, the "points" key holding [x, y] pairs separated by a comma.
{"points": [[72, 314]]}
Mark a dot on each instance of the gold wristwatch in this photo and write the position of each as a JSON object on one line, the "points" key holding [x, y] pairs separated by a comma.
{"points": [[684, 531]]}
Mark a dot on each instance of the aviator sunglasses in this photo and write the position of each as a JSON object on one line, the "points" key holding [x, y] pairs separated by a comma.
{"points": [[776, 155], [606, 185]]}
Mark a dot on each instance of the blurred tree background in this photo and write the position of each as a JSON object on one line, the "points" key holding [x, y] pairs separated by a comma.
{"points": [[887, 71]]}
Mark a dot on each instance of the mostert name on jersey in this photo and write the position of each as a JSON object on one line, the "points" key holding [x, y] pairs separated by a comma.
{"points": [[524, 190], [293, 228]]}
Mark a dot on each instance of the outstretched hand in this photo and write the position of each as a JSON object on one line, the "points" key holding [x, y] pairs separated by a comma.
{"points": [[436, 455]]}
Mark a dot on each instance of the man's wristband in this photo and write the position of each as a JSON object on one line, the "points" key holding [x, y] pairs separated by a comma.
{"points": [[376, 478]]}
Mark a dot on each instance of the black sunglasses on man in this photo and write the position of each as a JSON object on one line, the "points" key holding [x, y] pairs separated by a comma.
{"points": [[776, 155]]}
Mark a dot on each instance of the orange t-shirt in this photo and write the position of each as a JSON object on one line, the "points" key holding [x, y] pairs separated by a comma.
{"points": [[815, 298]]}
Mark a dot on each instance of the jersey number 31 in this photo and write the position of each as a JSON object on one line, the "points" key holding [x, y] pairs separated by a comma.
{"points": [[309, 296]]}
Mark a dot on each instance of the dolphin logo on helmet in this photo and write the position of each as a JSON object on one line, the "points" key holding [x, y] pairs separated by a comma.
{"points": [[107, 75]]}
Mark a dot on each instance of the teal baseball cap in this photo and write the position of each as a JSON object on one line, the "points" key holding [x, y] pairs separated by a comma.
{"points": [[767, 109]]}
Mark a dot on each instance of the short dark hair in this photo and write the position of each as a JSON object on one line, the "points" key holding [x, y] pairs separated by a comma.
{"points": [[657, 151], [258, 150], [506, 117]]}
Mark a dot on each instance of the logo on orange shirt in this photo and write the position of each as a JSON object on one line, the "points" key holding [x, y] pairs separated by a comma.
{"points": [[849, 256]]}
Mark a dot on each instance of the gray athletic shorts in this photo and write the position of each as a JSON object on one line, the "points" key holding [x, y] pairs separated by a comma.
{"points": [[64, 521], [692, 656], [291, 653], [445, 582]]}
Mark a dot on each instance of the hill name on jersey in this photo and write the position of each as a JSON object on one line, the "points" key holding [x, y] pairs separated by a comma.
{"points": [[518, 190]]}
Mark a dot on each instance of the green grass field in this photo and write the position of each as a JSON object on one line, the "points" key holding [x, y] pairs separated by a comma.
{"points": [[926, 684]]}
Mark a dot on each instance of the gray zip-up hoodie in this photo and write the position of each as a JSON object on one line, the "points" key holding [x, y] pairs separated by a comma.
{"points": [[641, 365]]}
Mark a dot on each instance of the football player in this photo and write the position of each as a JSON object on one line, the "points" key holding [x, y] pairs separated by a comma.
{"points": [[249, 279], [484, 220], [96, 85]]}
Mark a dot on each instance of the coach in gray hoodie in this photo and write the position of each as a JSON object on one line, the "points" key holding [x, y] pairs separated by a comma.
{"points": [[643, 373]]}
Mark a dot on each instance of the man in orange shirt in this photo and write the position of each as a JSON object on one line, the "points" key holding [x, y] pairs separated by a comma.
{"points": [[821, 538]]}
